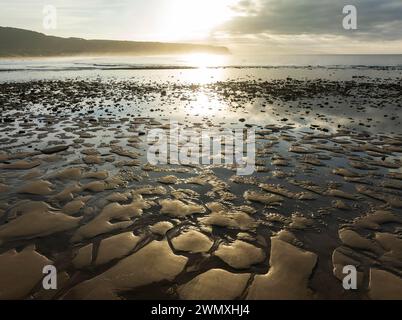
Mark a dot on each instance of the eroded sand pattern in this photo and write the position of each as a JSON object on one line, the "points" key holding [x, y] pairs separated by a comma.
{"points": [[77, 190]]}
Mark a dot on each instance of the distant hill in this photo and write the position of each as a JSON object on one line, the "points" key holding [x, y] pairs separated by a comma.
{"points": [[24, 43]]}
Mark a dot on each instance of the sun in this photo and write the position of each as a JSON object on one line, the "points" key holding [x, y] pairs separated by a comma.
{"points": [[194, 19]]}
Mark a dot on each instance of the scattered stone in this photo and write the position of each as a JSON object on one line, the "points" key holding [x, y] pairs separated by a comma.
{"points": [[56, 149]]}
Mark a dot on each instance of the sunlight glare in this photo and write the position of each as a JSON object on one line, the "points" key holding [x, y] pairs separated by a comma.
{"points": [[194, 19], [206, 105], [204, 60], [205, 64]]}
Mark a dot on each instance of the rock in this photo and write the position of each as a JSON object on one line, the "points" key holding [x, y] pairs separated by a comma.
{"points": [[54, 149], [20, 165], [168, 180]]}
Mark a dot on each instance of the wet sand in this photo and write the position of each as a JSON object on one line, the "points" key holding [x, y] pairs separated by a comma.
{"points": [[76, 190]]}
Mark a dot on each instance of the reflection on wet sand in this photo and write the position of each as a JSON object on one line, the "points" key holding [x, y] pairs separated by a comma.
{"points": [[76, 190]]}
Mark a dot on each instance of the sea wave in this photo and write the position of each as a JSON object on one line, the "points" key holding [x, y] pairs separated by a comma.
{"points": [[82, 67]]}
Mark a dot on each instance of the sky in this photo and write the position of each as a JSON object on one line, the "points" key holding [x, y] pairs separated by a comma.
{"points": [[259, 26]]}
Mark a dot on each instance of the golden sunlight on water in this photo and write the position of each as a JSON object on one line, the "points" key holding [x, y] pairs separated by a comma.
{"points": [[204, 60], [206, 105], [205, 64]]}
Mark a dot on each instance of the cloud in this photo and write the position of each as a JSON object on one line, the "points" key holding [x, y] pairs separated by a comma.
{"points": [[272, 25], [377, 19]]}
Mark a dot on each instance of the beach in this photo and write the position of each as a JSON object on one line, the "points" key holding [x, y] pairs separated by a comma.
{"points": [[77, 190]]}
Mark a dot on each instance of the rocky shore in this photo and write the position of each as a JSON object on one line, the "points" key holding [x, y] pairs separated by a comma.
{"points": [[77, 191]]}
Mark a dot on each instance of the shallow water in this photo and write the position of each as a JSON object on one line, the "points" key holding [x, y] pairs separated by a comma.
{"points": [[327, 190]]}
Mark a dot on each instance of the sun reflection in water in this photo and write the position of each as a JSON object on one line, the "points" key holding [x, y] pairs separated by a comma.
{"points": [[205, 105], [204, 60], [207, 68]]}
